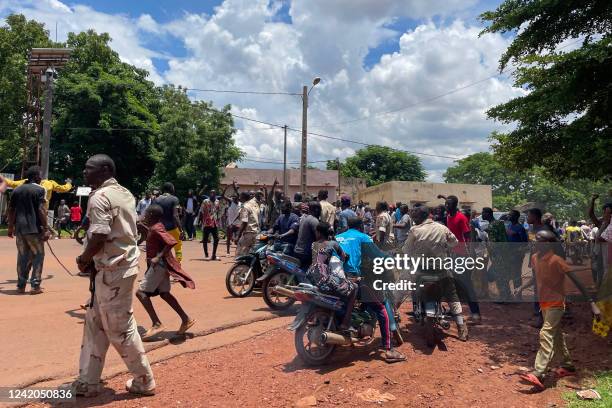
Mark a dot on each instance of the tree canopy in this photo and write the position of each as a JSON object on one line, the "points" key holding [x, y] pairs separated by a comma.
{"points": [[563, 120], [103, 105], [17, 37], [566, 200], [379, 164]]}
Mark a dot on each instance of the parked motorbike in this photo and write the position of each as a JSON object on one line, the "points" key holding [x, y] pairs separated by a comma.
{"points": [[243, 276], [429, 311], [316, 325], [284, 271]]}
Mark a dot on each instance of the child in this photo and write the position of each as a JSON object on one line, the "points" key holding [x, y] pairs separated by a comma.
{"points": [[327, 273], [550, 272], [161, 264]]}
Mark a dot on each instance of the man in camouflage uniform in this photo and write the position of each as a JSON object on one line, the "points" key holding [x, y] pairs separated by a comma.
{"points": [[111, 246]]}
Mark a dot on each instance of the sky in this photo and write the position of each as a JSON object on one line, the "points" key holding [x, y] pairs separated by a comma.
{"points": [[408, 74]]}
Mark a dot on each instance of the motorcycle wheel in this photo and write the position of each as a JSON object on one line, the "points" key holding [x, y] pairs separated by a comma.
{"points": [[430, 332], [236, 283], [274, 300], [307, 336]]}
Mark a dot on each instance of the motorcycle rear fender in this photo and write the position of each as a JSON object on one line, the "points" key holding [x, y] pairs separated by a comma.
{"points": [[300, 318]]}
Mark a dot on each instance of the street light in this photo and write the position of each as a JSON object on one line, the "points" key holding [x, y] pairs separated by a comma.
{"points": [[304, 159], [48, 77]]}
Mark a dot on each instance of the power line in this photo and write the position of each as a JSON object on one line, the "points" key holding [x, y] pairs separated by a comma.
{"points": [[242, 92]]}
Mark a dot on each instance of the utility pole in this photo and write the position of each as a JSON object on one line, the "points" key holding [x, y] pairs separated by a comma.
{"points": [[46, 137], [339, 178], [285, 178], [304, 159]]}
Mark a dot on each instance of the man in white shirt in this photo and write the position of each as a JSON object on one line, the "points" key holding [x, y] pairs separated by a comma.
{"points": [[233, 220]]}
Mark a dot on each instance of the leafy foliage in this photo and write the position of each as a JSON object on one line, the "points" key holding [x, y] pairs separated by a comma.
{"points": [[104, 105], [379, 164], [17, 38], [511, 188], [563, 121]]}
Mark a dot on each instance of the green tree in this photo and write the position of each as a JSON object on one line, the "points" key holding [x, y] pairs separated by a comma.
{"points": [[103, 105], [17, 38], [379, 164], [196, 141], [567, 199], [563, 121]]}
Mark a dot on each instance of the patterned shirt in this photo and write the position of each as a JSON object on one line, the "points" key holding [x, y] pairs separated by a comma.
{"points": [[211, 213]]}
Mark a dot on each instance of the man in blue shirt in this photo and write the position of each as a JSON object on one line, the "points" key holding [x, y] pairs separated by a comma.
{"points": [[356, 244], [345, 214], [286, 226]]}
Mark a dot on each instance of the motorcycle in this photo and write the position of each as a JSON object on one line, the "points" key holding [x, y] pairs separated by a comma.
{"points": [[316, 325], [244, 275], [429, 311], [284, 271]]}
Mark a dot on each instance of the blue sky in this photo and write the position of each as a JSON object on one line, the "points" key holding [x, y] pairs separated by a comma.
{"points": [[373, 56]]}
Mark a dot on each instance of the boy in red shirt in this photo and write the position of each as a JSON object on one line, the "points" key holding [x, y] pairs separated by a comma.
{"points": [[161, 265], [75, 215], [550, 272]]}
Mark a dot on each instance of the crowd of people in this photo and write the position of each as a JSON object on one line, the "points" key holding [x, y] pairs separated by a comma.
{"points": [[309, 229]]}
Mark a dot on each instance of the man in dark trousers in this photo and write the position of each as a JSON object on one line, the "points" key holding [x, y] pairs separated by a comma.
{"points": [[27, 222]]}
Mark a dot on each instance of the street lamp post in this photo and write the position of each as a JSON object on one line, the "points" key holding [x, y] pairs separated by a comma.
{"points": [[46, 137], [304, 158]]}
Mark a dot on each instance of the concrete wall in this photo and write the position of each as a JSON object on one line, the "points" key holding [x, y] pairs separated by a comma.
{"points": [[471, 196]]}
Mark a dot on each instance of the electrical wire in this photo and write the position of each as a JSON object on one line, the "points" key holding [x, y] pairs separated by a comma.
{"points": [[241, 92]]}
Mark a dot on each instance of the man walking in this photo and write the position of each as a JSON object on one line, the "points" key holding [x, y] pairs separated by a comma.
{"points": [[27, 221], [191, 208], [210, 213], [143, 204], [63, 218], [249, 224], [112, 247], [459, 225], [171, 220]]}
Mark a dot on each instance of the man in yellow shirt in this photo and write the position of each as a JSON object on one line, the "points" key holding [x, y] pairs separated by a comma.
{"points": [[50, 187]]}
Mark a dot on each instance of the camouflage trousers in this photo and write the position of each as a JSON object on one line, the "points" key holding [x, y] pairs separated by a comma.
{"points": [[111, 321], [30, 255]]}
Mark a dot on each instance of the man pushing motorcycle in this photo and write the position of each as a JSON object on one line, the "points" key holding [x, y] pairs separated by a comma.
{"points": [[431, 239]]}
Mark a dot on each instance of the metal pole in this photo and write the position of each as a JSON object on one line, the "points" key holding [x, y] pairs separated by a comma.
{"points": [[46, 139], [285, 178], [304, 159], [339, 178]]}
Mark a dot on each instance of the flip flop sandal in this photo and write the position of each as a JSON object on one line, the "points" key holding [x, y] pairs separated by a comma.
{"points": [[564, 372], [532, 379]]}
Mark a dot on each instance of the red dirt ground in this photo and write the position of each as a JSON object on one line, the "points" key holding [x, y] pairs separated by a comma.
{"points": [[264, 370]]}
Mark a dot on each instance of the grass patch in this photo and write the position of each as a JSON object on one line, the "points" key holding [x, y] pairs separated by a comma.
{"points": [[604, 387], [3, 231]]}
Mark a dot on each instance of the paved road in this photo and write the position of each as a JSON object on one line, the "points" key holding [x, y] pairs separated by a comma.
{"points": [[41, 335]]}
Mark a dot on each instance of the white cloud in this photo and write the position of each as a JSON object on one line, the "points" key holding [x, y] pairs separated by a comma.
{"points": [[242, 45], [123, 29]]}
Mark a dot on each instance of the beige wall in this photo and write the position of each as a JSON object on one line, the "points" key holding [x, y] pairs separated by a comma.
{"points": [[410, 192]]}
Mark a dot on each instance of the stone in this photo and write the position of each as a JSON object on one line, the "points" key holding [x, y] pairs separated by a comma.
{"points": [[309, 401], [374, 395], [589, 394]]}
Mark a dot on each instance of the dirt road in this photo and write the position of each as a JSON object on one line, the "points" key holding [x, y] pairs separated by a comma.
{"points": [[264, 371], [41, 335]]}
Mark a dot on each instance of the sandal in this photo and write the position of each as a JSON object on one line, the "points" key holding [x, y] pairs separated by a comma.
{"points": [[534, 380]]}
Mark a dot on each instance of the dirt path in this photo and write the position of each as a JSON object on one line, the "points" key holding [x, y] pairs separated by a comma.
{"points": [[45, 331], [264, 371]]}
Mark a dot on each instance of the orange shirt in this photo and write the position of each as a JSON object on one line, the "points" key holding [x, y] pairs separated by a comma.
{"points": [[550, 271]]}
